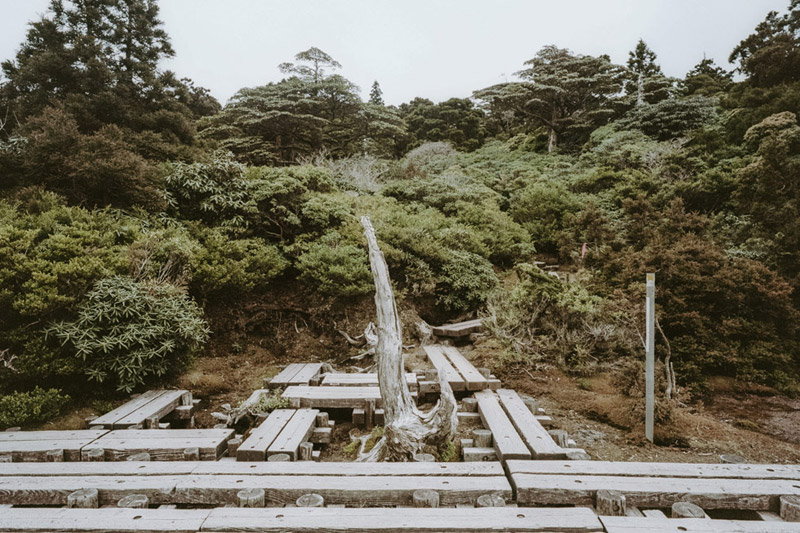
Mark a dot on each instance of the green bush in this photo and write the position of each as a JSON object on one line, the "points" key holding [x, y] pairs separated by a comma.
{"points": [[32, 407], [335, 267], [129, 332]]}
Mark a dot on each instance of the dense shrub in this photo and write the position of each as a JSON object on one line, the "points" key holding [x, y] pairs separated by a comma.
{"points": [[129, 332], [335, 267], [31, 407]]}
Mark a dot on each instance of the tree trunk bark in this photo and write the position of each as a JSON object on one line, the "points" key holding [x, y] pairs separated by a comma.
{"points": [[407, 430]]}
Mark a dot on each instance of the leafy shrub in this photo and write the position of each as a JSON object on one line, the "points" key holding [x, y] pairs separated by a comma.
{"points": [[430, 158], [465, 282], [670, 118], [234, 266], [32, 407], [335, 267], [215, 192], [129, 332]]}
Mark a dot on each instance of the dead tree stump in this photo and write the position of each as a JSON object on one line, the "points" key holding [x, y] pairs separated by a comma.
{"points": [[406, 429]]}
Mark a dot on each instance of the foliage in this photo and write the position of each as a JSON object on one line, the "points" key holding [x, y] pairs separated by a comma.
{"points": [[334, 267], [33, 407], [670, 118], [455, 121], [129, 332], [269, 402]]}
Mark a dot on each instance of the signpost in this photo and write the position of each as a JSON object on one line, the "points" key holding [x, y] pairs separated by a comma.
{"points": [[649, 367]]}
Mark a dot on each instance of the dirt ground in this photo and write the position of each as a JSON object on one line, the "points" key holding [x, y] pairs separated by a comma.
{"points": [[756, 424]]}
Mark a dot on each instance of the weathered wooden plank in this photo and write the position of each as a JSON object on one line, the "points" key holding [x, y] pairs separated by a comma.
{"points": [[158, 407], [333, 397], [473, 379], [440, 362], [507, 442], [367, 379], [305, 468], [30, 490], [615, 524], [121, 469], [254, 448], [306, 374], [294, 433], [40, 442], [452, 520], [107, 420], [103, 520], [535, 436], [163, 445], [362, 491], [459, 329], [691, 470], [281, 380], [712, 493]]}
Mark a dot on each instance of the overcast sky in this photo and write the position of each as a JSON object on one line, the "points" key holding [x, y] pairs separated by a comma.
{"points": [[436, 49]]}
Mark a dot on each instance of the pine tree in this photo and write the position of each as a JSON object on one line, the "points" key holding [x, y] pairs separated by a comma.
{"points": [[376, 94], [644, 77], [311, 65]]}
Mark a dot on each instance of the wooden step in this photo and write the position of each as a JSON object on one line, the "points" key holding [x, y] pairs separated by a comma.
{"points": [[459, 329], [254, 448], [162, 445], [618, 524], [507, 442], [440, 362], [296, 431], [24, 446], [535, 436]]}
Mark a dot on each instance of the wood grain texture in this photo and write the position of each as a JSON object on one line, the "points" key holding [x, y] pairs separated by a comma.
{"points": [[694, 525], [254, 448], [333, 397], [535, 436], [439, 361], [507, 442], [103, 520], [295, 432], [473, 379]]}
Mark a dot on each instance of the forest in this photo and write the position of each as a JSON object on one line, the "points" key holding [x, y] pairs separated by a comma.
{"points": [[145, 226]]}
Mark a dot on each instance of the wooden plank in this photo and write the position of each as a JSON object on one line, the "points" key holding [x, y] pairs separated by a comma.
{"points": [[306, 374], [660, 492], [333, 397], [35, 449], [103, 520], [163, 445], [459, 329], [439, 361], [535, 436], [307, 468], [362, 491], [108, 419], [507, 442], [676, 470], [254, 448], [304, 468], [452, 520], [473, 379], [294, 433], [159, 407], [367, 379], [616, 524], [285, 375], [30, 490]]}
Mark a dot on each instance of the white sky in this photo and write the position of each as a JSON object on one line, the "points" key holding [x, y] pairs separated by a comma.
{"points": [[436, 49]]}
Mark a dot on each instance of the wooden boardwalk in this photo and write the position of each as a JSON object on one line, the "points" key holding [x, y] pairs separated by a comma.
{"points": [[460, 329], [296, 374], [296, 519], [162, 445], [34, 445], [144, 410]]}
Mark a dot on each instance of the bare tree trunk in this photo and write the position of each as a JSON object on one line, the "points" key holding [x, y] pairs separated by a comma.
{"points": [[407, 429], [640, 90]]}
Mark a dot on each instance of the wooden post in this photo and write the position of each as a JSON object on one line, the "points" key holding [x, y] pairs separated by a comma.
{"points": [[251, 497], [482, 438], [687, 510], [369, 414], [310, 500], [610, 503], [790, 508], [306, 451], [143, 456], [322, 419], [424, 458], [95, 454], [491, 500], [134, 501], [83, 499], [55, 456], [426, 498], [279, 457], [469, 405], [649, 366], [233, 445], [191, 454]]}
